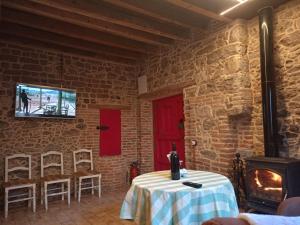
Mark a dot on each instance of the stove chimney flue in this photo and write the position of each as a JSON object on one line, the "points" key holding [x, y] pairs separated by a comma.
{"points": [[268, 82]]}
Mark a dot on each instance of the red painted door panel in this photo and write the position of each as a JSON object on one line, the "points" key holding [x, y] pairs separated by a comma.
{"points": [[110, 132], [168, 129]]}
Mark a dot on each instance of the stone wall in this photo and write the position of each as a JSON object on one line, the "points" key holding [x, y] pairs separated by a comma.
{"points": [[223, 108], [287, 72], [219, 76], [96, 83]]}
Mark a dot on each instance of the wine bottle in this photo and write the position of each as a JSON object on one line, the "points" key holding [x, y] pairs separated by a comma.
{"points": [[175, 165]]}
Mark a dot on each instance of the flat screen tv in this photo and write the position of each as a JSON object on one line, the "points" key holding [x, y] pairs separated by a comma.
{"points": [[43, 101]]}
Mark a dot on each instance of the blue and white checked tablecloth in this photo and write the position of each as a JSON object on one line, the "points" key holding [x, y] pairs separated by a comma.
{"points": [[155, 199]]}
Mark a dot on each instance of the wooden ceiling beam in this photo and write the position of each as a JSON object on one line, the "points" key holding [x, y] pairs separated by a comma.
{"points": [[63, 49], [147, 8], [85, 21], [102, 11], [198, 10], [35, 34], [66, 29]]}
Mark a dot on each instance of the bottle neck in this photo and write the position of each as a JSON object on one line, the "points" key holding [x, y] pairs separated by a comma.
{"points": [[173, 147]]}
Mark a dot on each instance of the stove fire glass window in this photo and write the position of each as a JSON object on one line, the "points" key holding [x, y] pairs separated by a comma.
{"points": [[265, 184]]}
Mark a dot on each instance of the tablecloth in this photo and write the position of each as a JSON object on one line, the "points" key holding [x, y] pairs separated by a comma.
{"points": [[155, 199]]}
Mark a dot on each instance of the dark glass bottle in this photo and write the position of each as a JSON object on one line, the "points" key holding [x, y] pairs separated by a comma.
{"points": [[175, 165]]}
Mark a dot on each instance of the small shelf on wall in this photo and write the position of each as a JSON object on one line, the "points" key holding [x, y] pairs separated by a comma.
{"points": [[108, 106]]}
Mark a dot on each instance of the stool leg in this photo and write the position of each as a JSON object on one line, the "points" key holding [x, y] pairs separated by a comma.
{"points": [[79, 189], [42, 193], [75, 187], [6, 203], [93, 191], [62, 190], [30, 196], [69, 193], [99, 186], [45, 195], [34, 198]]}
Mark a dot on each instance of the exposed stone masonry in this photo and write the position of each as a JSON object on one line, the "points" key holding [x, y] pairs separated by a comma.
{"points": [[96, 83], [146, 153], [221, 97], [287, 72], [223, 109], [220, 78]]}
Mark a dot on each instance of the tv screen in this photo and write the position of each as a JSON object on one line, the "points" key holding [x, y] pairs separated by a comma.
{"points": [[43, 101]]}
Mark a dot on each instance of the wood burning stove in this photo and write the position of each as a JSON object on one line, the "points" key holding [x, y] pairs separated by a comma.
{"points": [[270, 180]]}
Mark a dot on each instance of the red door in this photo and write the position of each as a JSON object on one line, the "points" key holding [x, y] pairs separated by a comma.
{"points": [[168, 129], [110, 132]]}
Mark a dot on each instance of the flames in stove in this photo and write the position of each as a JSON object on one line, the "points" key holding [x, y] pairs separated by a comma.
{"points": [[268, 180], [257, 180]]}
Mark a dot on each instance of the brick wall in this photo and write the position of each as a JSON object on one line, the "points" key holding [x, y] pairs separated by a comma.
{"points": [[219, 76], [146, 136], [223, 108], [96, 83]]}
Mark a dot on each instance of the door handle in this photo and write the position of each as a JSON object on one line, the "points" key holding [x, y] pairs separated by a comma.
{"points": [[103, 127], [181, 124]]}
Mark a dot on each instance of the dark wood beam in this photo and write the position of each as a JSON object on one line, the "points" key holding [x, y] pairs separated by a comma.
{"points": [[74, 31], [85, 21], [147, 8], [63, 49], [0, 10], [198, 10], [103, 11], [48, 37]]}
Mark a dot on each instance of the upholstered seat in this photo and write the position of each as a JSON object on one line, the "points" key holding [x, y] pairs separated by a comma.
{"points": [[289, 207], [225, 221]]}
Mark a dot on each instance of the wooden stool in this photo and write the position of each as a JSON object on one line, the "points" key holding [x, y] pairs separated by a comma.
{"points": [[88, 174], [59, 178], [19, 183]]}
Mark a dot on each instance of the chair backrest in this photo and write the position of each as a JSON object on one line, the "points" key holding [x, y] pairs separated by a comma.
{"points": [[289, 207], [45, 165], [26, 158], [78, 161]]}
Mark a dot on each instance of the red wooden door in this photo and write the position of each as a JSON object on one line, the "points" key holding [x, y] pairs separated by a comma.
{"points": [[110, 132], [168, 129]]}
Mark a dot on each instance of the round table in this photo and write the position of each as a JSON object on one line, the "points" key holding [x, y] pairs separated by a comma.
{"points": [[154, 198]]}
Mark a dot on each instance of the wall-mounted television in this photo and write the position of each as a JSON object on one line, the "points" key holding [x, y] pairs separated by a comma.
{"points": [[43, 101]]}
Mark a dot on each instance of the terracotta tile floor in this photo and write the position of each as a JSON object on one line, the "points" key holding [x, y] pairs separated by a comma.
{"points": [[91, 211]]}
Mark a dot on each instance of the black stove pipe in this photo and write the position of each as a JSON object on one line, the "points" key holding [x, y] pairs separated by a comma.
{"points": [[268, 82]]}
